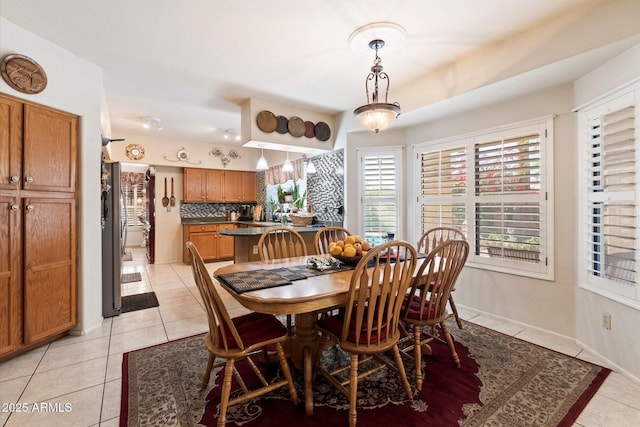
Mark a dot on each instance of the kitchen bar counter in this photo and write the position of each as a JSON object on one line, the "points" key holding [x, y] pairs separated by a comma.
{"points": [[246, 239]]}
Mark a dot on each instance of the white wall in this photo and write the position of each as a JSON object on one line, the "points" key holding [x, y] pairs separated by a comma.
{"points": [[74, 86], [543, 304], [621, 344]]}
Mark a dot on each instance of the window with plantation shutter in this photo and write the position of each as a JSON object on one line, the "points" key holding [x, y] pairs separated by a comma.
{"points": [[610, 231], [443, 187], [493, 186], [134, 206], [379, 193]]}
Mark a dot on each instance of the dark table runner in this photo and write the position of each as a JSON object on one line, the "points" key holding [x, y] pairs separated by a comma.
{"points": [[253, 280]]}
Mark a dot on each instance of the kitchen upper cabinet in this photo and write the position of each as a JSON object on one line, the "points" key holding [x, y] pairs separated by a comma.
{"points": [[202, 185], [218, 186], [10, 274], [241, 186]]}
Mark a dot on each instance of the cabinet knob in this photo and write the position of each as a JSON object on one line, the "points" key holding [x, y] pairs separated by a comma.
{"points": [[29, 179], [29, 208], [14, 207], [15, 178]]}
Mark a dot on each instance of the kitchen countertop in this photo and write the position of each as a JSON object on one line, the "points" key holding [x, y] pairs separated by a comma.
{"points": [[223, 220], [257, 231]]}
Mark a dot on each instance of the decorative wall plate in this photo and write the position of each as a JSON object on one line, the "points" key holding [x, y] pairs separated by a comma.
{"points": [[183, 155], [23, 74], [283, 125], [323, 133], [296, 126], [135, 151], [267, 121]]}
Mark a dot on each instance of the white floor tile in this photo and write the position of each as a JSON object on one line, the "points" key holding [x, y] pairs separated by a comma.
{"points": [[86, 371], [57, 382], [79, 408]]}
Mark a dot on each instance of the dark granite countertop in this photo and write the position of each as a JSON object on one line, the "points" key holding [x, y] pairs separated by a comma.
{"points": [[223, 220], [256, 231]]}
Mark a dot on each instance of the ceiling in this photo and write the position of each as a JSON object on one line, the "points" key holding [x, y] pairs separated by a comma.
{"points": [[192, 63]]}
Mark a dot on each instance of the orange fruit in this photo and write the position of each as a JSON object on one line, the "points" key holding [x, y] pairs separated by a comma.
{"points": [[357, 238], [350, 239], [349, 251], [340, 243], [335, 250], [365, 246]]}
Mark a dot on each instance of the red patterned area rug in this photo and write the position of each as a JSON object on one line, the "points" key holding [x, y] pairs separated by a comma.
{"points": [[503, 381]]}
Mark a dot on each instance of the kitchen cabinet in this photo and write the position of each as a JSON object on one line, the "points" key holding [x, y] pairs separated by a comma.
{"points": [[202, 185], [38, 224], [211, 245], [240, 186], [218, 186]]}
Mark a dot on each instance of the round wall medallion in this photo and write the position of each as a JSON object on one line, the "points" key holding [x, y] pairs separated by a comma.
{"points": [[183, 155], [283, 125], [323, 133], [23, 74], [309, 129], [135, 151], [267, 121], [296, 126]]}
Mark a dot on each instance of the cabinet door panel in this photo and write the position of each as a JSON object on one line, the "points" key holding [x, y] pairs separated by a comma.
{"points": [[250, 187], [10, 143], [225, 243], [49, 150], [233, 186], [214, 185], [10, 276], [206, 243], [194, 185], [49, 267]]}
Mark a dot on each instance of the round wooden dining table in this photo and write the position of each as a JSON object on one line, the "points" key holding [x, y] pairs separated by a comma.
{"points": [[303, 298]]}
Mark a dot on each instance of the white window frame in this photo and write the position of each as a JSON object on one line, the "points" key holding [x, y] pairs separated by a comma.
{"points": [[544, 126], [397, 153], [624, 293]]}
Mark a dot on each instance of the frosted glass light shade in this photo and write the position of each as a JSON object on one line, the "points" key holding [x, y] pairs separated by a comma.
{"points": [[262, 162], [377, 117]]}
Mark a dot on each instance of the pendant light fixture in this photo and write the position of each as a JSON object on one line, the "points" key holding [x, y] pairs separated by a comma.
{"points": [[376, 115], [287, 166], [310, 167], [262, 162]]}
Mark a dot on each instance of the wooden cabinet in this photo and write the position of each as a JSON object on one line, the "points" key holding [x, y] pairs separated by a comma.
{"points": [[38, 224], [203, 185], [211, 245], [218, 186], [10, 275]]}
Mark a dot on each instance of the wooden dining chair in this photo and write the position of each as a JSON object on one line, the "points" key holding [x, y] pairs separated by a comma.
{"points": [[432, 238], [368, 326], [281, 242], [238, 338], [422, 311], [326, 235]]}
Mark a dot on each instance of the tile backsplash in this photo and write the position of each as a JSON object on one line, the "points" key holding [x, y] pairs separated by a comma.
{"points": [[208, 210]]}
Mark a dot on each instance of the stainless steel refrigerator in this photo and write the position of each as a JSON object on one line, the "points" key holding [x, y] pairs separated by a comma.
{"points": [[114, 236]]}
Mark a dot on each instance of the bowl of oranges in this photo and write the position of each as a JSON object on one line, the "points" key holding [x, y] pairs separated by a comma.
{"points": [[350, 250]]}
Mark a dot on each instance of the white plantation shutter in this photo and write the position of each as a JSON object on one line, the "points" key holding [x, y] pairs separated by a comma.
{"points": [[509, 223], [134, 197], [380, 193], [611, 208], [494, 186], [443, 175]]}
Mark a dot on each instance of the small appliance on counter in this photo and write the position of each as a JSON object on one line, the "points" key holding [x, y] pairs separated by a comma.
{"points": [[246, 214]]}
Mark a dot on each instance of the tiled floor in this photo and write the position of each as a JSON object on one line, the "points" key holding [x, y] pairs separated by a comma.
{"points": [[80, 377]]}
